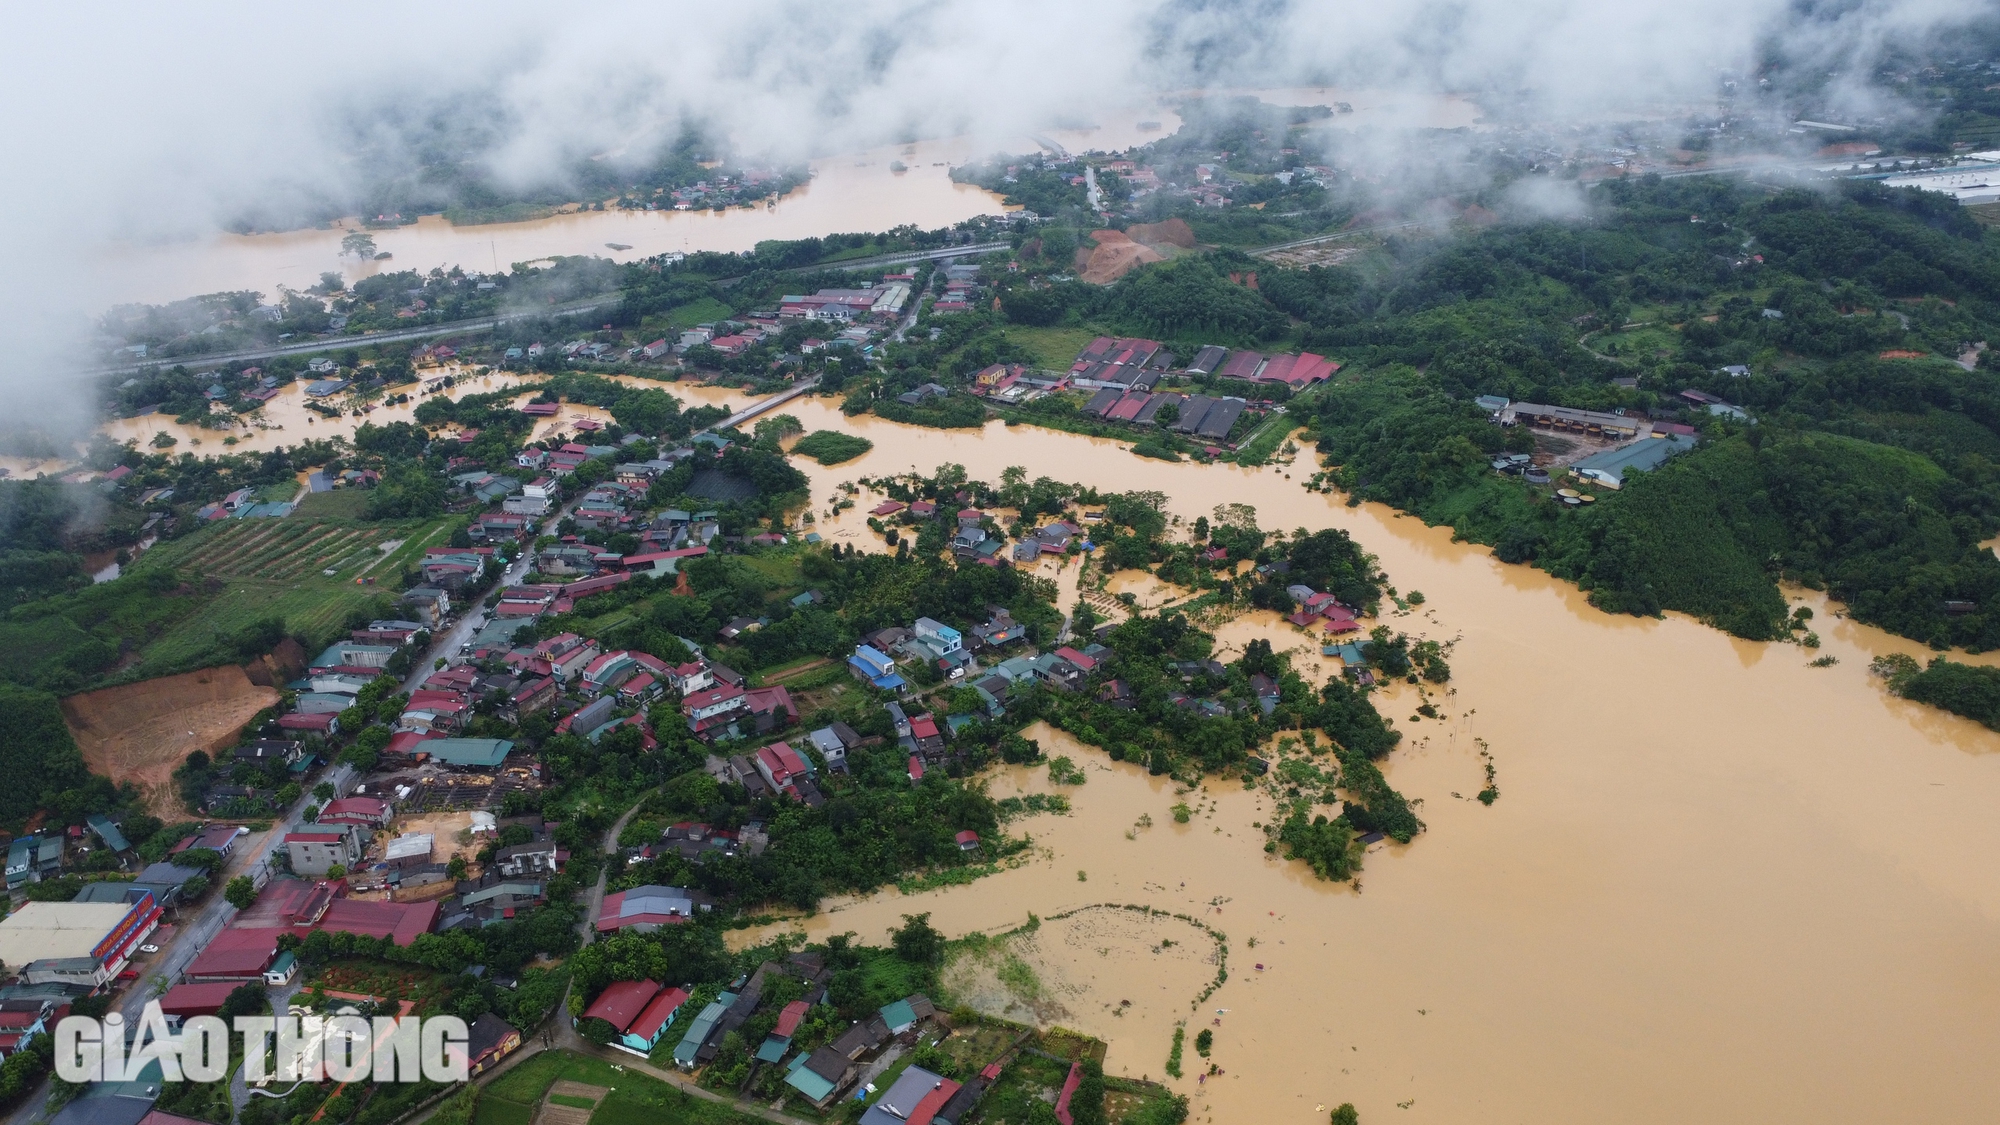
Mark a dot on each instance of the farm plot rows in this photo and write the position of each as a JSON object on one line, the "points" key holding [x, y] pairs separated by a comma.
{"points": [[284, 552]]}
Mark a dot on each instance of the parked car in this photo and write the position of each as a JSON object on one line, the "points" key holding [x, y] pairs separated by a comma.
{"points": [[149, 949]]}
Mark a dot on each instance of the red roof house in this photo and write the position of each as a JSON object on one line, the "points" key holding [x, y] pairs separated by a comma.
{"points": [[622, 1002]]}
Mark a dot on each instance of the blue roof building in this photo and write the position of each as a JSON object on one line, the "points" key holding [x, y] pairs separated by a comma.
{"points": [[1609, 467], [699, 1031], [872, 665]]}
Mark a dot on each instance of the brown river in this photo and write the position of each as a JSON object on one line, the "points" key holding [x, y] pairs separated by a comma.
{"points": [[1719, 885], [856, 191], [851, 192]]}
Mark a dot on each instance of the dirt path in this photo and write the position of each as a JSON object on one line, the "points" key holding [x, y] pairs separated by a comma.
{"points": [[791, 673], [141, 732]]}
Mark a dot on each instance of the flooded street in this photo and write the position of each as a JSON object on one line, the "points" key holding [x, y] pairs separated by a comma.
{"points": [[286, 421], [1718, 885]]}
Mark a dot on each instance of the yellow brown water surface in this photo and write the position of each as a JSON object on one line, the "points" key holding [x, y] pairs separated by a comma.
{"points": [[1719, 885]]}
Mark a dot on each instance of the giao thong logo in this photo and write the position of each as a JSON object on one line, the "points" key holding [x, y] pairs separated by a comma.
{"points": [[343, 1048]]}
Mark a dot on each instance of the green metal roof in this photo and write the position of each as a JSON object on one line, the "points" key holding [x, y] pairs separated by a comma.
{"points": [[697, 1032], [108, 832], [898, 1015], [806, 1082], [467, 751]]}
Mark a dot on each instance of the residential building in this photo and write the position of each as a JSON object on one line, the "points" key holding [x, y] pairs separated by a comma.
{"points": [[535, 857], [874, 666], [941, 638], [319, 850], [647, 908], [700, 1029], [489, 1040], [916, 1096], [645, 1030], [219, 838]]}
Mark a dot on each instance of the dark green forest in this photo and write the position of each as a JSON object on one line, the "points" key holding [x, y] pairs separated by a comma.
{"points": [[1872, 478]]}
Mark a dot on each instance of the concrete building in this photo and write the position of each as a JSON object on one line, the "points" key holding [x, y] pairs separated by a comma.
{"points": [[320, 849], [83, 944]]}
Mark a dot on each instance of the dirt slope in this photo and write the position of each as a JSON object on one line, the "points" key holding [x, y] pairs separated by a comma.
{"points": [[1173, 232], [140, 732], [1115, 256]]}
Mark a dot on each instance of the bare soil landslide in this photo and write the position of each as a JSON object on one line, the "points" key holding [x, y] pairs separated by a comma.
{"points": [[140, 732], [1173, 232], [1115, 256]]}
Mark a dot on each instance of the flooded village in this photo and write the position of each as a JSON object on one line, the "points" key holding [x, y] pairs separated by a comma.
{"points": [[914, 679], [1694, 785]]}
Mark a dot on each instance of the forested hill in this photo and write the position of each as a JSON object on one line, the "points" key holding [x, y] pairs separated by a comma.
{"points": [[1870, 469]]}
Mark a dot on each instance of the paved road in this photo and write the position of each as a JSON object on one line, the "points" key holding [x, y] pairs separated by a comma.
{"points": [[400, 335], [751, 411], [594, 905], [474, 616], [197, 929], [1337, 236], [447, 644], [904, 258], [560, 1033]]}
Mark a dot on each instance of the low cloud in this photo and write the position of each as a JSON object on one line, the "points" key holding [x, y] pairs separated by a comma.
{"points": [[160, 123]]}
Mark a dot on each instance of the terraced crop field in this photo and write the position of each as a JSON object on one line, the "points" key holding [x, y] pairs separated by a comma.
{"points": [[312, 573], [283, 551]]}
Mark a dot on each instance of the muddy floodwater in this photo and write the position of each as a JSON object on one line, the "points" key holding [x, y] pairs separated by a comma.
{"points": [[852, 192], [856, 191], [285, 419], [1718, 885]]}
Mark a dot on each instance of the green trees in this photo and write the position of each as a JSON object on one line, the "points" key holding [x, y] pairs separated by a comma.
{"points": [[1327, 846], [408, 491], [649, 411], [1086, 1104], [830, 447], [1345, 1114], [1192, 297], [1869, 478], [917, 942], [1970, 690], [36, 750], [240, 892]]}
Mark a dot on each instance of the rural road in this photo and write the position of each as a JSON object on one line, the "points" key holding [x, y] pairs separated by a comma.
{"points": [[488, 323], [474, 617], [560, 1032], [163, 969], [401, 335], [901, 259]]}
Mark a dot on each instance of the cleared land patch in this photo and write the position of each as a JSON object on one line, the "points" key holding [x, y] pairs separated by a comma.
{"points": [[140, 732]]}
